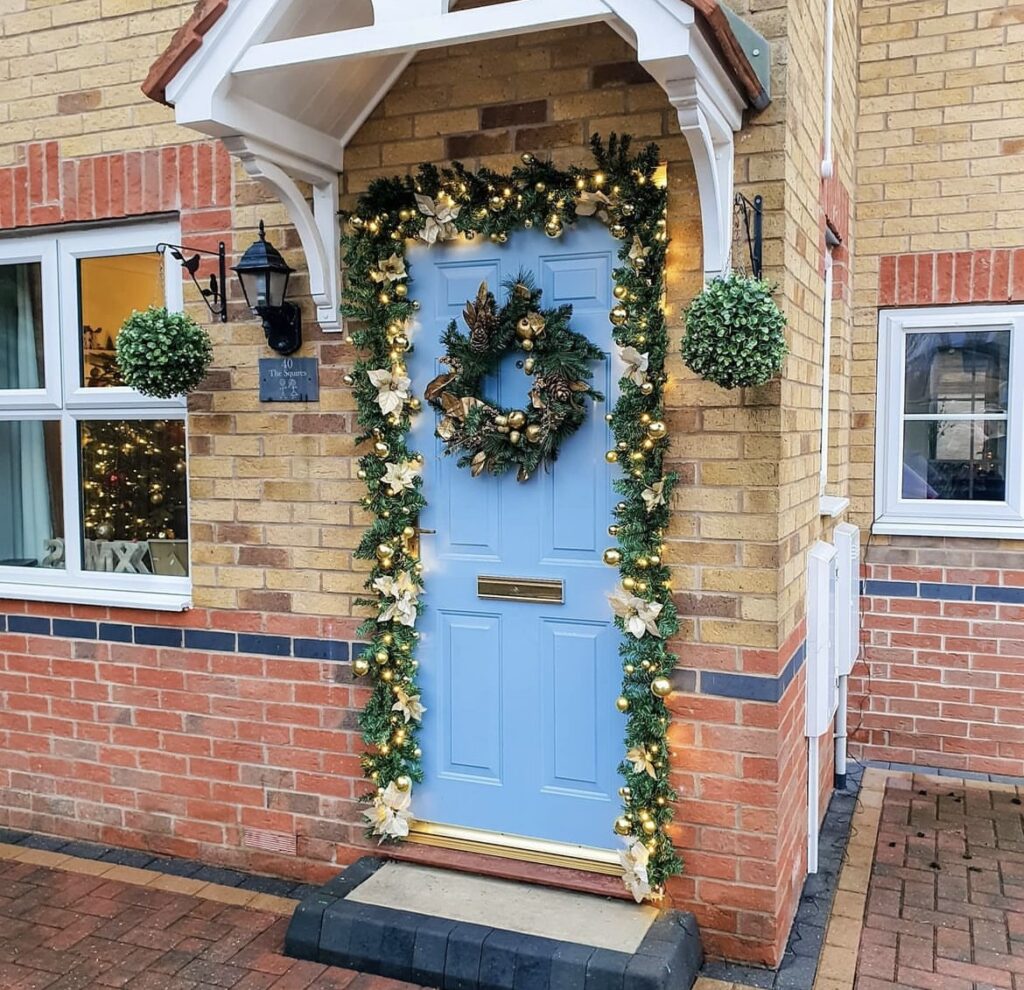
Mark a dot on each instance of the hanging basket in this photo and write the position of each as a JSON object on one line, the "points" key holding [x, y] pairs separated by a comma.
{"points": [[735, 333], [163, 354]]}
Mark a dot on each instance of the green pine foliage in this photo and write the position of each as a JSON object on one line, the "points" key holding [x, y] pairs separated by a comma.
{"points": [[735, 333], [484, 203]]}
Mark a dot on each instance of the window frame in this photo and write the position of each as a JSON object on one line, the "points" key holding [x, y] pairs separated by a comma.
{"points": [[896, 515], [67, 401]]}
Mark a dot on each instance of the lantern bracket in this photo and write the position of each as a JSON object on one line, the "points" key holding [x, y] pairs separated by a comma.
{"points": [[215, 294], [753, 227]]}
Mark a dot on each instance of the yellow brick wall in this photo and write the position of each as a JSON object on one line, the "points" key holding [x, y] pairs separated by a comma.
{"points": [[71, 70], [940, 159]]}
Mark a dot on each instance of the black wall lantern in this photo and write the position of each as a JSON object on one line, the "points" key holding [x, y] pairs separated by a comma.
{"points": [[264, 276]]}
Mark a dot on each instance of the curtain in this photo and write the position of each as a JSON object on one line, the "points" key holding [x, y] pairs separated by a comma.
{"points": [[26, 520]]}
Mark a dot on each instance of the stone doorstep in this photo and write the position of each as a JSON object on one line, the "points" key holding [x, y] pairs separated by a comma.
{"points": [[341, 925]]}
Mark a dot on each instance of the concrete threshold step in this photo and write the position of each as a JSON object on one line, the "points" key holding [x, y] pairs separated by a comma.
{"points": [[459, 931]]}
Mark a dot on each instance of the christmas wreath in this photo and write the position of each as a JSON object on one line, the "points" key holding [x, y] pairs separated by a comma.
{"points": [[493, 439]]}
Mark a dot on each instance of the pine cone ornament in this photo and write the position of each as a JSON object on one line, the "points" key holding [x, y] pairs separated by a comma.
{"points": [[561, 390], [481, 319]]}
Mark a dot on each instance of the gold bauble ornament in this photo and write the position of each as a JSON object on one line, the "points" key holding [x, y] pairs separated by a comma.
{"points": [[621, 506], [382, 657], [384, 298], [382, 450], [417, 753], [623, 826], [387, 639], [650, 826], [361, 474], [618, 315], [612, 557], [385, 550], [647, 388], [529, 364], [496, 203], [642, 563], [622, 704], [386, 674], [641, 586], [534, 432], [402, 342], [349, 380], [657, 430], [526, 345], [622, 445], [613, 530], [514, 437], [553, 228], [661, 687], [620, 292], [654, 559], [628, 583], [645, 418], [648, 444], [625, 793], [415, 405], [629, 668], [636, 456], [408, 532], [618, 231], [541, 187], [527, 158], [401, 290], [384, 749], [517, 419], [612, 456], [403, 783], [644, 815]]}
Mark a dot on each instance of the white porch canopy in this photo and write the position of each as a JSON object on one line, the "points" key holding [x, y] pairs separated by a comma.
{"points": [[287, 83]]}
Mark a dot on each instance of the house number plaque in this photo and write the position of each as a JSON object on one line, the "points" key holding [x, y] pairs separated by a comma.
{"points": [[521, 589], [289, 380]]}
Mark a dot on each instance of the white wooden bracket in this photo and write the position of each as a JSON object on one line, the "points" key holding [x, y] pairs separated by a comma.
{"points": [[317, 224], [710, 139]]}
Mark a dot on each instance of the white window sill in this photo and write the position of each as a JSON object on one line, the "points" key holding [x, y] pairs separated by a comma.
{"points": [[157, 601], [832, 505], [930, 527]]}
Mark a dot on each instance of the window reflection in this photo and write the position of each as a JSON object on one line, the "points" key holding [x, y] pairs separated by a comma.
{"points": [[110, 290], [21, 327], [954, 436], [31, 507], [134, 499]]}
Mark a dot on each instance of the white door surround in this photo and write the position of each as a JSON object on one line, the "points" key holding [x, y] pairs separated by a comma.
{"points": [[287, 84]]}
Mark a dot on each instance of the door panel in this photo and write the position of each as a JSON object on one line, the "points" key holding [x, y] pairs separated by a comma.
{"points": [[521, 734]]}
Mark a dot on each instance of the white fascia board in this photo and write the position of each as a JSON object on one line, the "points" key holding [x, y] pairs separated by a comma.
{"points": [[392, 37]]}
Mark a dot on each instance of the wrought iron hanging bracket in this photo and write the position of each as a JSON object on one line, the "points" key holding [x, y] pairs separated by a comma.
{"points": [[215, 294], [753, 226]]}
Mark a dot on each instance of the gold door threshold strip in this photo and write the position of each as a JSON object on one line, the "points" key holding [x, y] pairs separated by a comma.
{"points": [[518, 847]]}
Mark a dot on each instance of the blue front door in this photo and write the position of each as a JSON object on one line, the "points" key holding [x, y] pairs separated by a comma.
{"points": [[521, 734]]}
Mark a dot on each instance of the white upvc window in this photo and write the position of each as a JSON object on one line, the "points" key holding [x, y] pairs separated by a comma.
{"points": [[950, 422], [93, 475]]}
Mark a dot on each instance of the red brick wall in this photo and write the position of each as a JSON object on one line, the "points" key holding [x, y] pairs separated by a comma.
{"points": [[942, 680], [179, 750], [194, 180]]}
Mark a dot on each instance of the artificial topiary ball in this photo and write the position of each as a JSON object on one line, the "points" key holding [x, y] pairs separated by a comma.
{"points": [[735, 333], [163, 354]]}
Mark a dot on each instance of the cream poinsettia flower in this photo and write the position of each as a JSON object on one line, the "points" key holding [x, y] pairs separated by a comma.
{"points": [[654, 495], [403, 591], [636, 364], [592, 204], [638, 614], [399, 477], [641, 761], [390, 814], [408, 705], [634, 859], [389, 270], [392, 389], [638, 252], [441, 215]]}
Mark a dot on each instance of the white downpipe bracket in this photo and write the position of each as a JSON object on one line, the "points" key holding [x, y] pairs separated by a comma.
{"points": [[318, 226]]}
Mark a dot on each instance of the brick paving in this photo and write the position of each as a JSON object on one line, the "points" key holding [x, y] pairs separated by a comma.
{"points": [[945, 907], [67, 931]]}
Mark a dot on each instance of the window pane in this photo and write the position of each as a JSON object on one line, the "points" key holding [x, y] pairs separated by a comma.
{"points": [[31, 507], [134, 498], [110, 290], [955, 459], [21, 326], [957, 372]]}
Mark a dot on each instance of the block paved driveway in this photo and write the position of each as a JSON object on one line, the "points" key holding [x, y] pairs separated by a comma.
{"points": [[66, 931], [945, 906]]}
